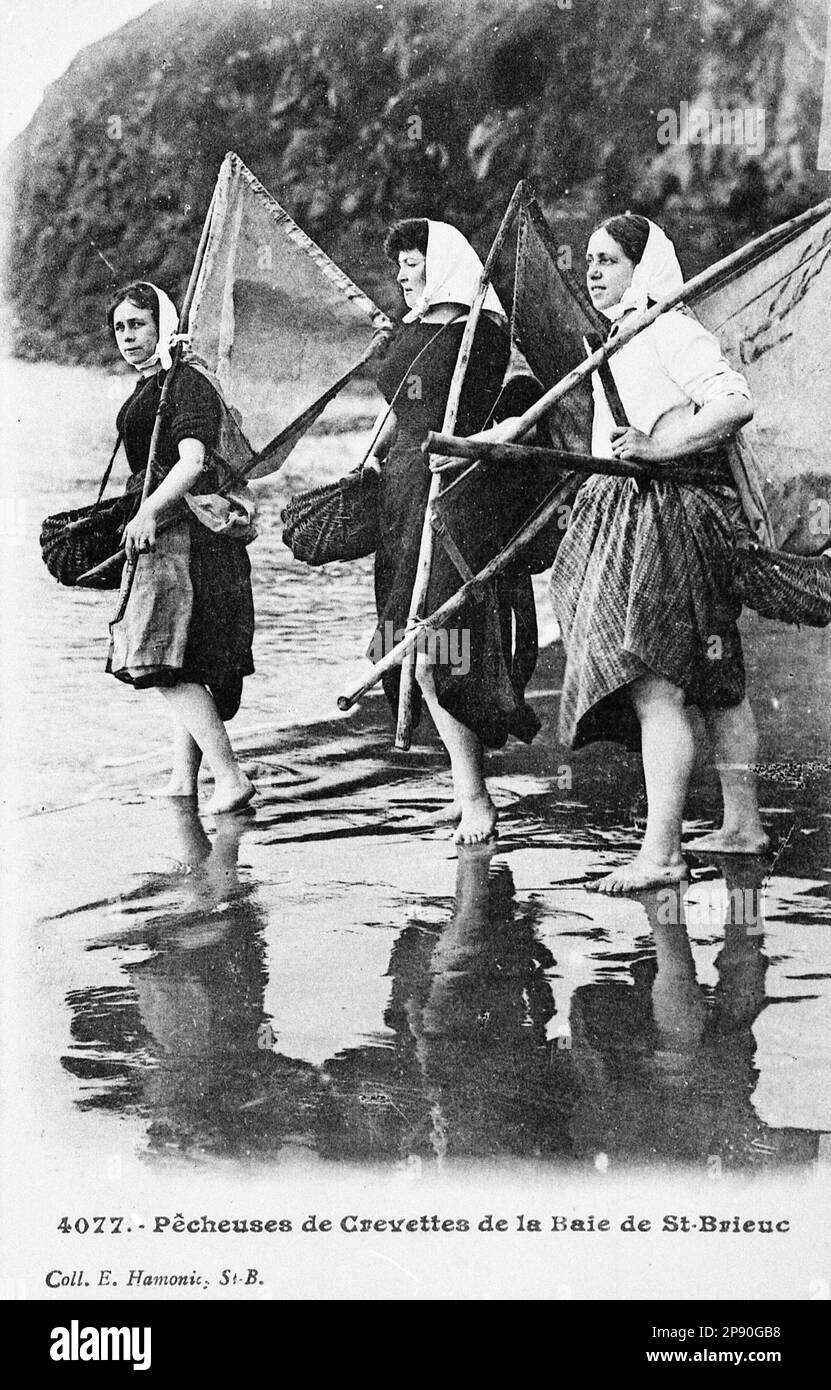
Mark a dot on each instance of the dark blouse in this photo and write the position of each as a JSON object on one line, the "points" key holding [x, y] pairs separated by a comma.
{"points": [[193, 412], [420, 406]]}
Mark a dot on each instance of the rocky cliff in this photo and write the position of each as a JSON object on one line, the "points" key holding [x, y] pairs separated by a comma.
{"points": [[355, 112]]}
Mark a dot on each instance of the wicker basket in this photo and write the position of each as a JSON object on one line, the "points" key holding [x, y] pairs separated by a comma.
{"points": [[75, 541], [787, 588], [338, 521]]}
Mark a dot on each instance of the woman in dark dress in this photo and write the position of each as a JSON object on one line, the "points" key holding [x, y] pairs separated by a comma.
{"points": [[474, 675], [185, 620]]}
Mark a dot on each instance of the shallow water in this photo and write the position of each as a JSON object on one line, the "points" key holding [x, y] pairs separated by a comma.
{"points": [[321, 978]]}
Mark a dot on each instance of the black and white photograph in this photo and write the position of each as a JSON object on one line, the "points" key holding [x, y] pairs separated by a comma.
{"points": [[415, 548]]}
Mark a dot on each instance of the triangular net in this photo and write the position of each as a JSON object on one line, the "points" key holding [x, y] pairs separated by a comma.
{"points": [[772, 319], [277, 322], [551, 315]]}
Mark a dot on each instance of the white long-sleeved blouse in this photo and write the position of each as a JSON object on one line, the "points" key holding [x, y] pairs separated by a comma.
{"points": [[663, 375]]}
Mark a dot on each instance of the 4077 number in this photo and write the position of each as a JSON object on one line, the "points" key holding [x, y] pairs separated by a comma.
{"points": [[97, 1225]]}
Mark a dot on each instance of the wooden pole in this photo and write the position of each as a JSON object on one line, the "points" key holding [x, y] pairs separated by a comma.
{"points": [[560, 495], [163, 524], [421, 583], [175, 358], [690, 291], [261, 464], [584, 464], [176, 355]]}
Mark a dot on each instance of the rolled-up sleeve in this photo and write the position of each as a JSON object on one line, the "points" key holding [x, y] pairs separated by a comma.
{"points": [[692, 357], [196, 409]]}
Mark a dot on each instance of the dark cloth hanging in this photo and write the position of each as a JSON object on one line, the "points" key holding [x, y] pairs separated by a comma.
{"points": [[486, 653]]}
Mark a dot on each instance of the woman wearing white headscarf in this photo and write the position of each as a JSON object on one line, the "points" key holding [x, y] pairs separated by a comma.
{"points": [[474, 680], [641, 585], [186, 619]]}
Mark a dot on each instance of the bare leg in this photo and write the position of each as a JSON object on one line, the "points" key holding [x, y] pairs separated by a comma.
{"points": [[471, 806], [735, 749], [678, 1003], [194, 845], [461, 944], [187, 759], [668, 752], [194, 707]]}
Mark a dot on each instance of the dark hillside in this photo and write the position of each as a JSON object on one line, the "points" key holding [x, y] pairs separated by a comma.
{"points": [[353, 113]]}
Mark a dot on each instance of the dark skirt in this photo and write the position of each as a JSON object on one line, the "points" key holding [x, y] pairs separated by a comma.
{"points": [[641, 584], [485, 655], [216, 617]]}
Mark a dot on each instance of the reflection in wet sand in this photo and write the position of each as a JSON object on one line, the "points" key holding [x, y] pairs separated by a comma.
{"points": [[667, 1067], [470, 1071], [186, 1026], [470, 1058]]}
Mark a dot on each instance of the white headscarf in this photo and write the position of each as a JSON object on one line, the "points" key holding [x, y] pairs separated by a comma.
{"points": [[451, 273], [168, 327], [657, 274]]}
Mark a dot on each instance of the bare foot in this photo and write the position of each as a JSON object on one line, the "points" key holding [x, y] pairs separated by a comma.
{"points": [[481, 851], [478, 821], [639, 875], [231, 796], [727, 842]]}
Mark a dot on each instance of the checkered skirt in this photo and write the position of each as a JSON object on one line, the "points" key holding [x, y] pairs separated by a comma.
{"points": [[641, 584]]}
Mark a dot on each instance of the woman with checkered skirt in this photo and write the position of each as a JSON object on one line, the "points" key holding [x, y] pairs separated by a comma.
{"points": [[641, 584]]}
